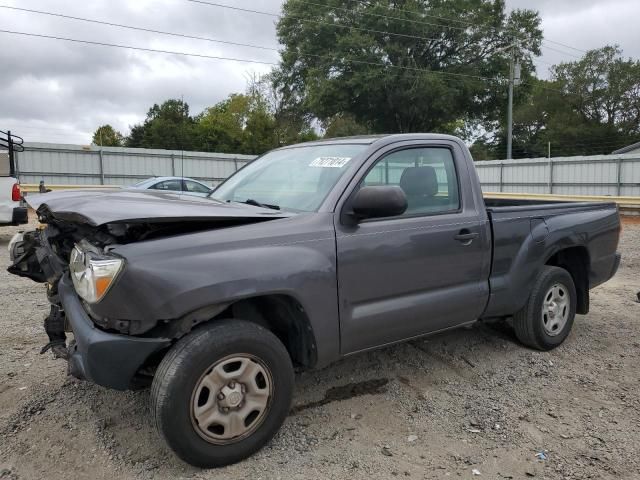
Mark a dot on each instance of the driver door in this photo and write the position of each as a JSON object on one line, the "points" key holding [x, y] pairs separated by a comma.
{"points": [[409, 275]]}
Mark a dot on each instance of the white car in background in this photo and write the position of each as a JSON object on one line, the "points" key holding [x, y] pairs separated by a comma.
{"points": [[11, 210], [187, 186]]}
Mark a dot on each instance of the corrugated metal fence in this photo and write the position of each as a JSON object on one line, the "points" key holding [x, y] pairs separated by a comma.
{"points": [[91, 165], [77, 165], [617, 175]]}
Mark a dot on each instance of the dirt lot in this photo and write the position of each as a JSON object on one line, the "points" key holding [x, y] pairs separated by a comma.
{"points": [[448, 406]]}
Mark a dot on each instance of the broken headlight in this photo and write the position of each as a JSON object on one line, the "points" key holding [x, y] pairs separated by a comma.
{"points": [[92, 273]]}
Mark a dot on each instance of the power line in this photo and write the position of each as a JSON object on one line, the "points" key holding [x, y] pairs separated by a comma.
{"points": [[447, 19], [162, 32], [560, 51], [382, 32], [565, 45], [469, 24], [176, 34], [364, 2], [144, 49], [307, 20], [183, 35], [216, 57], [384, 16], [556, 90], [538, 60], [142, 29]]}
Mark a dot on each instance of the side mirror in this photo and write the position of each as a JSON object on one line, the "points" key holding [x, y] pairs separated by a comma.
{"points": [[377, 202]]}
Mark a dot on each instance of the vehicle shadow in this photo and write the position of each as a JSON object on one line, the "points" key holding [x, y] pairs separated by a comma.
{"points": [[127, 432]]}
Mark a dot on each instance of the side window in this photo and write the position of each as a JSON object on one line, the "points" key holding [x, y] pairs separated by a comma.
{"points": [[195, 187], [173, 185], [427, 176]]}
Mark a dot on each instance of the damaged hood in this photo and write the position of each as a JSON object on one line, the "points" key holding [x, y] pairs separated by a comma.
{"points": [[99, 207]]}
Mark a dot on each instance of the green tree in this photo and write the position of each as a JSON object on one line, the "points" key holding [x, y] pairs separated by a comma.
{"points": [[589, 106], [107, 136], [220, 128], [135, 137], [603, 91], [338, 60], [238, 124], [344, 126], [292, 124], [167, 126], [251, 123]]}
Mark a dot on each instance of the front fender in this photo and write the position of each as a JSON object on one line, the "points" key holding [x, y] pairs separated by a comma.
{"points": [[163, 283]]}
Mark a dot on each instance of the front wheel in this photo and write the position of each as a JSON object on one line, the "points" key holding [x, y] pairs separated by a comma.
{"points": [[546, 320], [222, 392]]}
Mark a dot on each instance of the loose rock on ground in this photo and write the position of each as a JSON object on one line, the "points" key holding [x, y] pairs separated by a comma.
{"points": [[472, 400]]}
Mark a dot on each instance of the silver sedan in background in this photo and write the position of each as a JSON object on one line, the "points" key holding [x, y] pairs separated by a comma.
{"points": [[188, 186]]}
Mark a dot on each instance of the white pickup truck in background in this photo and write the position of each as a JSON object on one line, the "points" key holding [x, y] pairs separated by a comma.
{"points": [[11, 210]]}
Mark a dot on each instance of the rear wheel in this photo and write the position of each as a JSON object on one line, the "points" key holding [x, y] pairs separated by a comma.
{"points": [[222, 392], [547, 318]]}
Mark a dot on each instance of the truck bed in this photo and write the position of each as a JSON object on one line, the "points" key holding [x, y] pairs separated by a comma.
{"points": [[524, 231]]}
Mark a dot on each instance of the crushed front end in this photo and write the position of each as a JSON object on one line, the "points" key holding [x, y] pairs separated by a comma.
{"points": [[75, 263], [116, 307]]}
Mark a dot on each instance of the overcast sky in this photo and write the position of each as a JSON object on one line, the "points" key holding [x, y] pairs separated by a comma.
{"points": [[60, 92]]}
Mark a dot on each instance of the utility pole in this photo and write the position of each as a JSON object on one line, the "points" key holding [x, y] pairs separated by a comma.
{"points": [[514, 79]]}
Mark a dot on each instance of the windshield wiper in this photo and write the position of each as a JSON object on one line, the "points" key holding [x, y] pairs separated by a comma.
{"points": [[255, 203]]}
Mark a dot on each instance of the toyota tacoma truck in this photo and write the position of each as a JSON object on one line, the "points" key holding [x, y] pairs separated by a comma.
{"points": [[309, 254]]}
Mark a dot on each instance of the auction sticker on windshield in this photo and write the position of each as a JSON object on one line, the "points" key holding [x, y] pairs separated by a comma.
{"points": [[330, 162]]}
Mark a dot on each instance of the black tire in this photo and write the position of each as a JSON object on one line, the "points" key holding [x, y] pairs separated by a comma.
{"points": [[528, 322], [183, 367]]}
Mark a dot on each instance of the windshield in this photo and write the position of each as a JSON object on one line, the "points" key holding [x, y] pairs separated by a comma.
{"points": [[294, 179]]}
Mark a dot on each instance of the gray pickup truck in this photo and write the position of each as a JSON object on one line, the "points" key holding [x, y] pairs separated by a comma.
{"points": [[308, 254]]}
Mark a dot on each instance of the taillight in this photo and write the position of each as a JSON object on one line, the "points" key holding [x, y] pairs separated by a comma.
{"points": [[15, 192]]}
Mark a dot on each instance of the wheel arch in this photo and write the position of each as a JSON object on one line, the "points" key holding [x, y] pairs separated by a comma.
{"points": [[285, 317], [576, 261], [281, 314]]}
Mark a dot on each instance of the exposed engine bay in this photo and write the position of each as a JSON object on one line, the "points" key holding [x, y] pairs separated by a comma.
{"points": [[62, 242], [43, 255]]}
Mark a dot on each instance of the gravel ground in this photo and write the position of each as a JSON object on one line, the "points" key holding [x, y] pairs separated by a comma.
{"points": [[457, 405]]}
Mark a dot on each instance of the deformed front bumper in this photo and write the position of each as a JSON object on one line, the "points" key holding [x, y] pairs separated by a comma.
{"points": [[108, 359]]}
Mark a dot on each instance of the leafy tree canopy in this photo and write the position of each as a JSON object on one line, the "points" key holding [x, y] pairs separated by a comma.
{"points": [[356, 67], [589, 106], [344, 126], [251, 123], [107, 136], [397, 66], [167, 126]]}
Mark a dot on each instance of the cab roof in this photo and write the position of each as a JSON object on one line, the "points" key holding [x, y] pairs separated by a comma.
{"points": [[371, 139]]}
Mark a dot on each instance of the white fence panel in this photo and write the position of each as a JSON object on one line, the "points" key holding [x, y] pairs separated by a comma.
{"points": [[617, 175], [92, 165]]}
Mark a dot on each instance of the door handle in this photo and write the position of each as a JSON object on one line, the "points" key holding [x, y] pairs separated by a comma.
{"points": [[466, 237]]}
